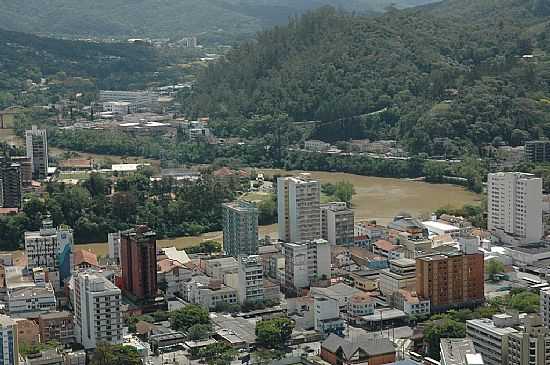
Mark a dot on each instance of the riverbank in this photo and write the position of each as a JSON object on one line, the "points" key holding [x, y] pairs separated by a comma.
{"points": [[376, 198], [380, 198], [101, 249]]}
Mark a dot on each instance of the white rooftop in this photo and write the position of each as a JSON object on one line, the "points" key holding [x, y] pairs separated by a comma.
{"points": [[127, 167], [474, 359], [177, 255], [440, 226]]}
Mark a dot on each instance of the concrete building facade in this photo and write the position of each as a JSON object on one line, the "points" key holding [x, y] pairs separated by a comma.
{"points": [[304, 262], [57, 326], [37, 150], [240, 228], [337, 223], [51, 248], [138, 251], [97, 315], [113, 244], [514, 205], [537, 151], [490, 337], [11, 185], [451, 280], [298, 207], [531, 345], [401, 274], [9, 346], [545, 307], [32, 301], [251, 279], [326, 316]]}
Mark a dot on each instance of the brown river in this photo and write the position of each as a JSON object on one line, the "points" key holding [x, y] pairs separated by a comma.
{"points": [[376, 198]]}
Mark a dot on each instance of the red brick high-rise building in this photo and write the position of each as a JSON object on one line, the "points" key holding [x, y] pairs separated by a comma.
{"points": [[138, 259], [451, 280]]}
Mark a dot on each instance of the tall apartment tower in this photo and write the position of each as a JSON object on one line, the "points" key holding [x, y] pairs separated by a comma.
{"points": [[305, 261], [240, 228], [537, 151], [51, 248], [37, 151], [514, 205], [531, 345], [451, 280], [9, 352], [337, 223], [545, 307], [97, 316], [298, 206], [26, 170], [138, 258], [11, 186], [113, 244]]}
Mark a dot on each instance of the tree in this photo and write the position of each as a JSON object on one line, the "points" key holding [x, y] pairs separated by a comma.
{"points": [[207, 247], [494, 267], [328, 189], [344, 191], [199, 331], [107, 354], [442, 328], [216, 354], [524, 301], [190, 315], [267, 211], [96, 184], [274, 333]]}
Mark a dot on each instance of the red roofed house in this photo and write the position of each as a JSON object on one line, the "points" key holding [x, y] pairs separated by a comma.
{"points": [[386, 249], [172, 276]]}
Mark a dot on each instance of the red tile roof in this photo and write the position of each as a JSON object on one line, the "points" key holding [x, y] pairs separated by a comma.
{"points": [[166, 265], [83, 256], [385, 245]]}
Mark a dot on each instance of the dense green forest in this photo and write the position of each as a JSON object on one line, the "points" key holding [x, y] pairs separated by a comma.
{"points": [[212, 20], [79, 66], [444, 78], [170, 209]]}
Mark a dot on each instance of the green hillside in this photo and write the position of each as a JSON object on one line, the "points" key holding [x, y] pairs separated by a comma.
{"points": [[72, 65], [451, 77], [164, 18]]}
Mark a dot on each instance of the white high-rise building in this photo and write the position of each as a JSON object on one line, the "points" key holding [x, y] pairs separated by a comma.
{"points": [[113, 243], [305, 261], [51, 248], [37, 151], [9, 353], [97, 314], [299, 213], [545, 307], [514, 205]]}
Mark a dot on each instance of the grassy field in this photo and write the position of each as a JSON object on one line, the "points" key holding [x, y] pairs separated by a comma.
{"points": [[382, 198]]}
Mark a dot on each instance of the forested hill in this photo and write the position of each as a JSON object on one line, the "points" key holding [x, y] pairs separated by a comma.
{"points": [[210, 19], [28, 57], [475, 71]]}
